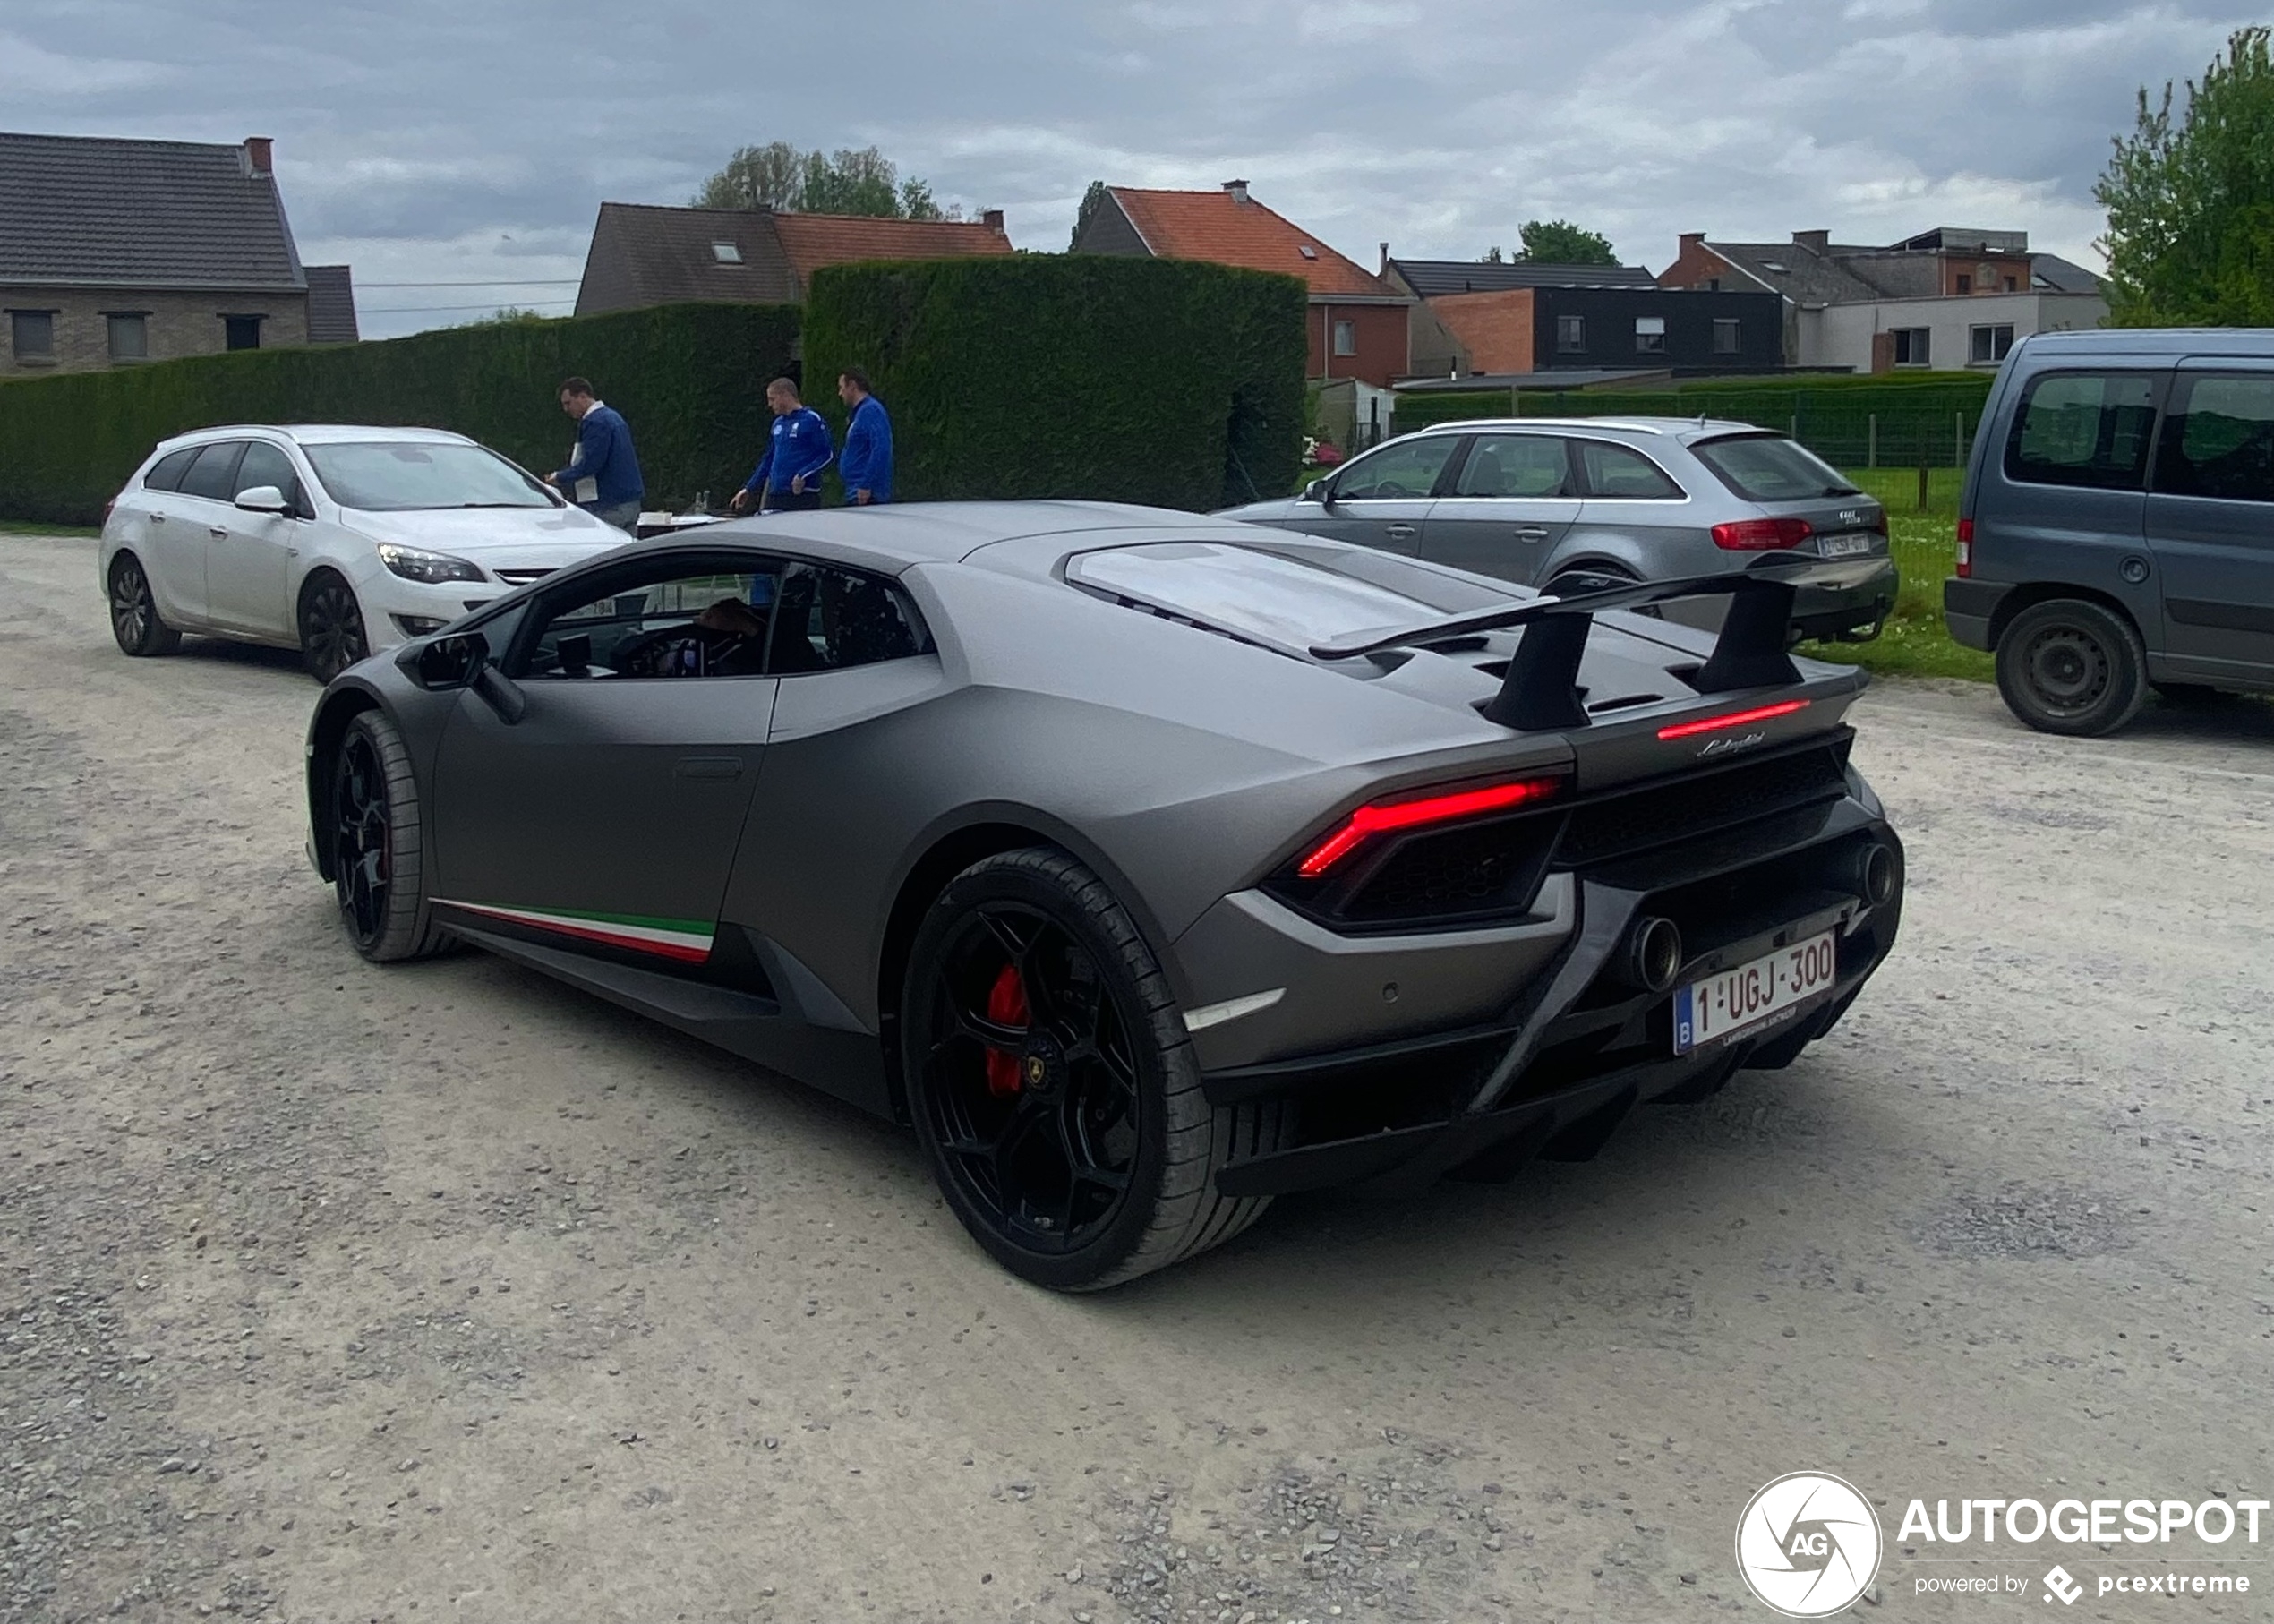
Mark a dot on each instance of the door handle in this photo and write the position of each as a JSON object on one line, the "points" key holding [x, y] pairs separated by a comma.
{"points": [[1530, 533], [217, 532], [708, 767], [158, 518], [1401, 530]]}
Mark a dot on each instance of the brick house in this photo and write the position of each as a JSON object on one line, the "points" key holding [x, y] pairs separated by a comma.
{"points": [[1358, 321], [114, 252], [1945, 298], [643, 255], [1511, 320]]}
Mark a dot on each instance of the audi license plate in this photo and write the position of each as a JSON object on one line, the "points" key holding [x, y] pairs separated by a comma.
{"points": [[1847, 546], [1736, 1000]]}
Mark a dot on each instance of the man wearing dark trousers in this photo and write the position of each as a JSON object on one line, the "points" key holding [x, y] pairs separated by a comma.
{"points": [[788, 477], [867, 466], [602, 475]]}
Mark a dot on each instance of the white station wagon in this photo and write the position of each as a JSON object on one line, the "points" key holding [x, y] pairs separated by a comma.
{"points": [[336, 539]]}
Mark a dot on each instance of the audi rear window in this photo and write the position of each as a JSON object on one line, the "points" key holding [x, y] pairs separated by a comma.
{"points": [[1771, 468]]}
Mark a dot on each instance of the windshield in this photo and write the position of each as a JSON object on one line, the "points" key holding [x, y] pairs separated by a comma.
{"points": [[396, 476], [1771, 468]]}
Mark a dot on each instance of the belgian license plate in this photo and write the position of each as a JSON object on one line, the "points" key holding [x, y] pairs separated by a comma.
{"points": [[1846, 546], [1736, 1000]]}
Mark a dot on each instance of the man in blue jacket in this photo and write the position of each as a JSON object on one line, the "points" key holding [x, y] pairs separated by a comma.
{"points": [[789, 475], [602, 475], [867, 464]]}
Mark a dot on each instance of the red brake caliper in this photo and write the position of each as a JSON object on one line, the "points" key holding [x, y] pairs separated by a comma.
{"points": [[1006, 1006]]}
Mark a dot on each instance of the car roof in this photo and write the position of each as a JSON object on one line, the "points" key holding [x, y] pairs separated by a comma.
{"points": [[1685, 427], [320, 433], [2172, 341]]}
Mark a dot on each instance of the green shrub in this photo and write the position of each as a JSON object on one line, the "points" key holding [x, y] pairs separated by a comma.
{"points": [[1419, 409], [1078, 376], [689, 378]]}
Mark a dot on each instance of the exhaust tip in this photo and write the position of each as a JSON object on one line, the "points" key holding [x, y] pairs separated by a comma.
{"points": [[1655, 955], [1877, 875]]}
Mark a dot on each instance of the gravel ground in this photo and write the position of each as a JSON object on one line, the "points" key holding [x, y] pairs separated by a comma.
{"points": [[330, 1292]]}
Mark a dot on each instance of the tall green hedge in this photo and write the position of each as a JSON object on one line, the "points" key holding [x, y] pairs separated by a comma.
{"points": [[1084, 375], [689, 378]]}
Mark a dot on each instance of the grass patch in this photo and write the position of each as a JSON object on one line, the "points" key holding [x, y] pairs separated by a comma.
{"points": [[15, 527]]}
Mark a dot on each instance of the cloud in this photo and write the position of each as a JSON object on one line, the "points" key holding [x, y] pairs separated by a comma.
{"points": [[426, 135]]}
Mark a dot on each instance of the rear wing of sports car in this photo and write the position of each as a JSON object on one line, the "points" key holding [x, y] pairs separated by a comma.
{"points": [[1541, 690]]}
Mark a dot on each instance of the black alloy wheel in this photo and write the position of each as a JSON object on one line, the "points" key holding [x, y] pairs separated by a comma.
{"points": [[375, 841], [1054, 1086], [134, 619], [331, 628], [2072, 667]]}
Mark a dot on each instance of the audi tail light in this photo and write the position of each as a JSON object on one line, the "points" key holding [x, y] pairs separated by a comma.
{"points": [[1384, 818], [1761, 534]]}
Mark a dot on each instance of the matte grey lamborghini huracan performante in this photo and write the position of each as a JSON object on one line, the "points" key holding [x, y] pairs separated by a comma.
{"points": [[1148, 866]]}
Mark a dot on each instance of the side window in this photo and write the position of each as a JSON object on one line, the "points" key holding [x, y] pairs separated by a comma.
{"points": [[2088, 429], [267, 465], [213, 474], [165, 473], [1406, 468], [832, 620], [682, 618], [1516, 464], [1624, 473], [2219, 439]]}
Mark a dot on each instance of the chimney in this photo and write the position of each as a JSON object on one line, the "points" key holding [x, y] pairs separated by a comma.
{"points": [[992, 219], [1692, 239], [1236, 190], [256, 156], [1385, 261], [1815, 242]]}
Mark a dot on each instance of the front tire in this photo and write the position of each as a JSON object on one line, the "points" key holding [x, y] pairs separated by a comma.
{"points": [[378, 839], [135, 620], [2072, 667], [1053, 1085], [331, 627]]}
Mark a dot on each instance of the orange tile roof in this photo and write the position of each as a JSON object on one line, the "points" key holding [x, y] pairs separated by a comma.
{"points": [[1214, 226], [1494, 328], [811, 241]]}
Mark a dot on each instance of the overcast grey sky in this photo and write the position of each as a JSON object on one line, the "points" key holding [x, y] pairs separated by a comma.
{"points": [[428, 141]]}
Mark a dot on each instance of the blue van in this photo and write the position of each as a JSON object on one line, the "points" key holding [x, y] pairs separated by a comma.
{"points": [[2117, 530]]}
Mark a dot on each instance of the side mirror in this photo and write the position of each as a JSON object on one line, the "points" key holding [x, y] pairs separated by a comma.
{"points": [[1315, 491], [263, 499], [446, 663]]}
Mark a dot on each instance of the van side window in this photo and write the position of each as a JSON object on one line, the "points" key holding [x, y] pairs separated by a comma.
{"points": [[2219, 438], [2086, 429]]}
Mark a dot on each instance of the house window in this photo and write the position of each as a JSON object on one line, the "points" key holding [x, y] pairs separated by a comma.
{"points": [[1987, 344], [241, 332], [1345, 337], [1306, 251], [130, 334], [2010, 285], [33, 333], [1966, 283], [1725, 336], [1911, 345], [726, 253], [1650, 335], [1571, 334]]}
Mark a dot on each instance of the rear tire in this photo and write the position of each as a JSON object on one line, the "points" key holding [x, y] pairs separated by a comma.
{"points": [[378, 845], [135, 620], [1079, 1150], [2072, 667], [331, 626]]}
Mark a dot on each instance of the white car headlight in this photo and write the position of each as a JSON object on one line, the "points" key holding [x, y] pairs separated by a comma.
{"points": [[431, 568]]}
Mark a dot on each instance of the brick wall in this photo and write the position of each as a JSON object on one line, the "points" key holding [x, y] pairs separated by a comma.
{"points": [[177, 324], [1383, 342]]}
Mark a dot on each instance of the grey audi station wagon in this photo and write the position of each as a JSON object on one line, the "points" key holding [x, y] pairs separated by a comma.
{"points": [[1557, 502], [2116, 529]]}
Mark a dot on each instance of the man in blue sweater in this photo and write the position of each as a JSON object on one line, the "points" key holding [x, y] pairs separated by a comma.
{"points": [[602, 475], [867, 464], [789, 475]]}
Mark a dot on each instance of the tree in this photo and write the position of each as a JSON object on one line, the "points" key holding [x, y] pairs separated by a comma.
{"points": [[1560, 243], [1493, 256], [1091, 201], [848, 181], [2191, 200]]}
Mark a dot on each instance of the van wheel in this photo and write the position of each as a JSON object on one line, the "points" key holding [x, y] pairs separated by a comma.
{"points": [[2072, 667]]}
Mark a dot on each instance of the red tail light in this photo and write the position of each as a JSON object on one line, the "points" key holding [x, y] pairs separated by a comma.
{"points": [[1383, 817], [1761, 534], [1735, 719], [1965, 547]]}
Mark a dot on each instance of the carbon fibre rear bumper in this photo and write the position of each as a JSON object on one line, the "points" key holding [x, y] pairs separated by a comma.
{"points": [[1555, 1076]]}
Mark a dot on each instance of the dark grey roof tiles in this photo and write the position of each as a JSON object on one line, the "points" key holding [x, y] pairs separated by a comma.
{"points": [[331, 305], [82, 212], [2054, 274], [1432, 279], [1798, 273]]}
